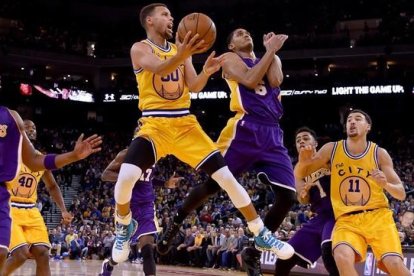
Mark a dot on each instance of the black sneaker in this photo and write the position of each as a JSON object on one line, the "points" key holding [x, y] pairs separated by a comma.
{"points": [[251, 261], [167, 237]]}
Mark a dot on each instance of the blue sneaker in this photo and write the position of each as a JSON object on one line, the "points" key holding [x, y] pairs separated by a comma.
{"points": [[106, 269], [120, 249], [266, 241]]}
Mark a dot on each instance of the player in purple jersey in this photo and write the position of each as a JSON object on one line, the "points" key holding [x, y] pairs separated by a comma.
{"points": [[253, 138], [314, 238], [16, 147], [142, 209]]}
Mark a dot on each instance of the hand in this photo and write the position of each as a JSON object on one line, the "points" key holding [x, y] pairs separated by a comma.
{"points": [[379, 177], [171, 183], [212, 64], [67, 217], [189, 47], [84, 148], [274, 42], [306, 154]]}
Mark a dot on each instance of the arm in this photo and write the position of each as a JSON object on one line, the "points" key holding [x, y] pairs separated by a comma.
{"points": [[302, 189], [386, 177], [54, 191], [35, 160], [309, 161], [274, 73], [142, 56], [110, 174], [234, 68], [197, 82]]}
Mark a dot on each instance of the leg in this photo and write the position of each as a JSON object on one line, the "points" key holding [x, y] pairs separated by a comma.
{"points": [[3, 256], [147, 250], [140, 156], [284, 200], [41, 255], [328, 259], [395, 265], [16, 259], [283, 267], [345, 260]]}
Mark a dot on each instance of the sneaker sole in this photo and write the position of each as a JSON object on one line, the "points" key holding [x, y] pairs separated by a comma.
{"points": [[263, 249]]}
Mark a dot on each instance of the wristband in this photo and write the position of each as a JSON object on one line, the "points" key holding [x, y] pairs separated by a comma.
{"points": [[49, 162]]}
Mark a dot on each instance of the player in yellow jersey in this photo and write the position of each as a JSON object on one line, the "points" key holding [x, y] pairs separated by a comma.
{"points": [[29, 234], [165, 74], [360, 173]]}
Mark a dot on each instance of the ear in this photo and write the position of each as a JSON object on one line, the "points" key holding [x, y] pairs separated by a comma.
{"points": [[148, 20], [230, 46]]}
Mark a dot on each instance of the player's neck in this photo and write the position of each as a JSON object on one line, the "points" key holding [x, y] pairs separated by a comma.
{"points": [[247, 54], [356, 145], [157, 39]]}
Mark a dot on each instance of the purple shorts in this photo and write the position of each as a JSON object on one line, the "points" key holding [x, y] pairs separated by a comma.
{"points": [[5, 219]]}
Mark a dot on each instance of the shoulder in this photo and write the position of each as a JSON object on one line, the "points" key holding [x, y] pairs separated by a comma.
{"points": [[141, 46]]}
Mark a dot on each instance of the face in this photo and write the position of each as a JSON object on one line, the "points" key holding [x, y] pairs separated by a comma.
{"points": [[241, 40], [30, 129], [357, 125], [407, 219], [162, 22], [304, 138]]}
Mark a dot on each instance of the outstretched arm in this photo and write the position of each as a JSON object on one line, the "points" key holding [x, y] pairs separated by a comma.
{"points": [[36, 161], [274, 73]]}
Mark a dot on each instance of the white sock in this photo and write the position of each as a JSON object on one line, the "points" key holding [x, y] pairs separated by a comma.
{"points": [[256, 226], [125, 220]]}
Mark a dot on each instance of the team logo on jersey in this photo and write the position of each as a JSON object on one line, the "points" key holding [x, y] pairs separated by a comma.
{"points": [[354, 191], [3, 131], [171, 86], [26, 186]]}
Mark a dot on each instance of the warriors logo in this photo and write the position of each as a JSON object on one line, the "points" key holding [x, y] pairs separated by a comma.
{"points": [[3, 131], [26, 186], [171, 86], [354, 191]]}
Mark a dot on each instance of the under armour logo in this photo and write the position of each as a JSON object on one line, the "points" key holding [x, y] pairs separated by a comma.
{"points": [[109, 97]]}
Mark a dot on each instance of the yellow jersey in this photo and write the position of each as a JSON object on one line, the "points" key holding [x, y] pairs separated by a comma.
{"points": [[23, 188], [352, 187], [160, 93]]}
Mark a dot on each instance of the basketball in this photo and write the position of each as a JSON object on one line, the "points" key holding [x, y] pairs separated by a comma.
{"points": [[198, 23]]}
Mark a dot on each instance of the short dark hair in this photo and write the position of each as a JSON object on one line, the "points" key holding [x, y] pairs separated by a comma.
{"points": [[367, 117], [305, 129], [146, 11], [230, 37]]}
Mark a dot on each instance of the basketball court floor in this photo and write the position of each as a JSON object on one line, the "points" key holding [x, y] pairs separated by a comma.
{"points": [[92, 268]]}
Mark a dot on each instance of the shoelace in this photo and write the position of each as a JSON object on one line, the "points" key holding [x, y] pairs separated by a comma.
{"points": [[121, 237], [268, 237]]}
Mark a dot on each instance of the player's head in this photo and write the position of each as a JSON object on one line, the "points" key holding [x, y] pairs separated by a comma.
{"points": [[407, 218], [157, 17], [305, 136], [239, 40], [30, 129], [358, 123]]}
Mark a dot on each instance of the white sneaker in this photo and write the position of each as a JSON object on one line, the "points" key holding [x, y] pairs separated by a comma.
{"points": [[265, 241], [120, 249]]}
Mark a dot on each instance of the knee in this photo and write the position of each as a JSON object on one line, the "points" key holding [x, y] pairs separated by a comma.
{"points": [[41, 253], [21, 254], [147, 251], [344, 258]]}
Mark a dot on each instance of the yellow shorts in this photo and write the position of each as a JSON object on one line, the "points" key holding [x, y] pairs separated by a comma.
{"points": [[28, 227], [179, 136], [374, 228]]}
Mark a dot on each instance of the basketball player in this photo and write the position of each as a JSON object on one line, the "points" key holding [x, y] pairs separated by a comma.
{"points": [[142, 208], [314, 238], [360, 172], [29, 236], [15, 147], [252, 139], [165, 75]]}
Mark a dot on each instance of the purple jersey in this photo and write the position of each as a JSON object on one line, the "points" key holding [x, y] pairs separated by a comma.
{"points": [[260, 104], [320, 195], [142, 206], [10, 146]]}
